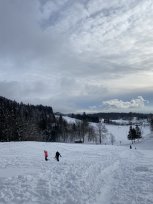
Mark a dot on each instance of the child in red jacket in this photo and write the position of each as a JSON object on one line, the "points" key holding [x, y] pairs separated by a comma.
{"points": [[46, 155]]}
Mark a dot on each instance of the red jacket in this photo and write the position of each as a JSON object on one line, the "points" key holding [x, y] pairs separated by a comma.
{"points": [[45, 153]]}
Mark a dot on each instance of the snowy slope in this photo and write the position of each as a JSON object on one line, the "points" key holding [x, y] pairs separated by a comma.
{"points": [[86, 174], [70, 120], [119, 132]]}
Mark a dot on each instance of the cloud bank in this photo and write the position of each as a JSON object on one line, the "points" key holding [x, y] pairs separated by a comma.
{"points": [[137, 103], [74, 54]]}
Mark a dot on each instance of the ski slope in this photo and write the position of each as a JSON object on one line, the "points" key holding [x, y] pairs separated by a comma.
{"points": [[86, 174]]}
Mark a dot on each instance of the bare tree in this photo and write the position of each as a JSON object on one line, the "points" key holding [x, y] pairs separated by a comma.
{"points": [[91, 134], [112, 138], [101, 131]]}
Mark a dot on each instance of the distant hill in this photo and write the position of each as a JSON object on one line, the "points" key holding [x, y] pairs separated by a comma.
{"points": [[95, 117]]}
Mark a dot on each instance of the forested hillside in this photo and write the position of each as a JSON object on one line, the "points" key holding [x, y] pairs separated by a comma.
{"points": [[20, 122]]}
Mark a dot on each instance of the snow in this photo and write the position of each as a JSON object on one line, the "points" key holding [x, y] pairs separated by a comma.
{"points": [[85, 174], [120, 132], [70, 120], [121, 122]]}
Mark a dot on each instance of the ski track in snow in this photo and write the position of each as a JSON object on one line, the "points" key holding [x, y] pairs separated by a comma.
{"points": [[86, 174]]}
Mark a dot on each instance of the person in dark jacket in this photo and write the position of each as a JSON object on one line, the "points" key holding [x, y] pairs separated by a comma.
{"points": [[57, 155]]}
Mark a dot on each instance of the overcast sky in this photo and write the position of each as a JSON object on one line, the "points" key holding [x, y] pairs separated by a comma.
{"points": [[78, 55]]}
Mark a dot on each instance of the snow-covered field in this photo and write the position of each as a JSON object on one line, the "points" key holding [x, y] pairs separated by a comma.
{"points": [[86, 174], [120, 132]]}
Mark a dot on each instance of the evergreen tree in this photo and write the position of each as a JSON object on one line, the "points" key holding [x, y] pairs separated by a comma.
{"points": [[132, 133], [151, 124], [138, 132]]}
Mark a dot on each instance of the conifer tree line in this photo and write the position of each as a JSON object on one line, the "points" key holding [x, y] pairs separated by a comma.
{"points": [[94, 117], [20, 122]]}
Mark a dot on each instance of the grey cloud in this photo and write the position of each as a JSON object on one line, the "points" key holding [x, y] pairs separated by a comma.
{"points": [[22, 91], [70, 51], [29, 43], [8, 89], [22, 41], [81, 87]]}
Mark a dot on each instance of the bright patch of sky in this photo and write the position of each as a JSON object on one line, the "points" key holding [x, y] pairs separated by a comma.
{"points": [[77, 55]]}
